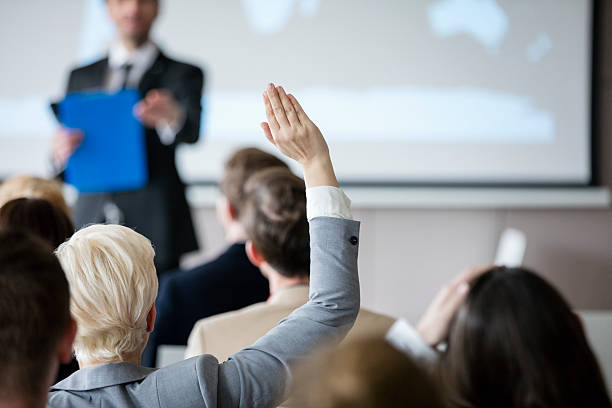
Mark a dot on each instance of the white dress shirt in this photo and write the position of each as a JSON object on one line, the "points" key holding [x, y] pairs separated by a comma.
{"points": [[140, 59], [404, 337], [327, 201]]}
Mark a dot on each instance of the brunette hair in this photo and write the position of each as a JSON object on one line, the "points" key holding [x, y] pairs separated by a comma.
{"points": [[39, 217], [516, 343], [274, 218], [239, 167], [34, 313]]}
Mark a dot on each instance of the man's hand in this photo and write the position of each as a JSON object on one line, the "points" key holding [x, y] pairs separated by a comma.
{"points": [[294, 134], [158, 107], [435, 323], [65, 142]]}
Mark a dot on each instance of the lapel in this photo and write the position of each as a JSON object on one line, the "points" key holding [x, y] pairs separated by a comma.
{"points": [[99, 71], [152, 77]]}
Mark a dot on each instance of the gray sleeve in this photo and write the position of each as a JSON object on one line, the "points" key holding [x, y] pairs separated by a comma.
{"points": [[259, 375]]}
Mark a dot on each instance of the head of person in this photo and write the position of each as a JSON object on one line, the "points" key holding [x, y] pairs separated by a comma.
{"points": [[36, 330], [366, 373], [274, 217], [39, 217], [133, 18], [113, 286], [33, 187], [515, 342], [241, 165]]}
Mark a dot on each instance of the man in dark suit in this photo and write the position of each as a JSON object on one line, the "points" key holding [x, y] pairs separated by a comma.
{"points": [[170, 111], [227, 283]]}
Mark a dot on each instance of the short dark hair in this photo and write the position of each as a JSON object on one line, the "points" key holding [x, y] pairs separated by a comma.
{"points": [[239, 167], [34, 313], [274, 217], [516, 343], [39, 217]]}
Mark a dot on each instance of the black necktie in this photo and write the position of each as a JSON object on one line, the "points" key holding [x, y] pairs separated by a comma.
{"points": [[125, 68]]}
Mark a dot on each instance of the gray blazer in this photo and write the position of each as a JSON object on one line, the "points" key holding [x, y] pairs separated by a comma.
{"points": [[257, 376]]}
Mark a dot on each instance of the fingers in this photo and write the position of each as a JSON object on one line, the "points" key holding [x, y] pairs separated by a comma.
{"points": [[455, 299], [470, 274], [288, 106], [65, 143], [298, 109], [267, 132], [277, 106], [269, 113]]}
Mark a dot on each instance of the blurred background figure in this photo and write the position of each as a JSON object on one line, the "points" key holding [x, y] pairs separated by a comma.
{"points": [[511, 341], [274, 218], [38, 217], [515, 342], [170, 110], [33, 187], [47, 221], [366, 373], [228, 282], [36, 328]]}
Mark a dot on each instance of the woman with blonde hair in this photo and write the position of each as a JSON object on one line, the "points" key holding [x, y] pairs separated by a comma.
{"points": [[113, 285]]}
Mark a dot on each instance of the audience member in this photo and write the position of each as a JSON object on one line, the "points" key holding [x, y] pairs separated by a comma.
{"points": [[366, 373], [33, 187], [44, 220], [274, 216], [228, 282], [113, 286], [39, 217], [513, 341], [36, 330]]}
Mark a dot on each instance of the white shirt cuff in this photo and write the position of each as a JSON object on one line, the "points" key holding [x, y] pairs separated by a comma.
{"points": [[167, 131], [327, 201], [405, 338]]}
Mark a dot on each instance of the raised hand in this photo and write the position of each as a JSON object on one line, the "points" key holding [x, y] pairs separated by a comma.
{"points": [[157, 107], [297, 137], [435, 323], [65, 142]]}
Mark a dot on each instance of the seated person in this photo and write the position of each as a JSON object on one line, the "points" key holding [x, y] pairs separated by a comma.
{"points": [[39, 217], [274, 216], [36, 330], [366, 373], [47, 221], [512, 341], [226, 283], [33, 187], [114, 284]]}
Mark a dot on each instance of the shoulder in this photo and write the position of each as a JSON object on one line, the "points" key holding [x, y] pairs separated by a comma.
{"points": [[82, 70], [231, 320], [201, 276], [181, 67], [370, 323], [194, 374], [63, 399]]}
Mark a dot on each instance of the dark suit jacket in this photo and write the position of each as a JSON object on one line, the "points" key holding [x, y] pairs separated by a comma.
{"points": [[159, 211], [227, 283]]}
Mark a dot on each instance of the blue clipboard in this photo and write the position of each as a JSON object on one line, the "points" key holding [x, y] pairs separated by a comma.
{"points": [[112, 156]]}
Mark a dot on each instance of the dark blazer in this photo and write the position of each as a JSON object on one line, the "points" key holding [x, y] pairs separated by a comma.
{"points": [[227, 283], [159, 211]]}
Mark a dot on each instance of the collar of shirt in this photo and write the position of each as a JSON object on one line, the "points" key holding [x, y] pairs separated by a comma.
{"points": [[141, 59]]}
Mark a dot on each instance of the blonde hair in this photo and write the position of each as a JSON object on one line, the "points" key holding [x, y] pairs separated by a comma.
{"points": [[113, 285], [364, 373], [33, 187]]}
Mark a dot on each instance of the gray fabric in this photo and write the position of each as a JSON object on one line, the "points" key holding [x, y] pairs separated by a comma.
{"points": [[257, 376]]}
